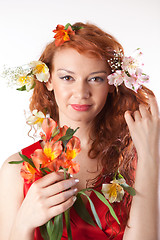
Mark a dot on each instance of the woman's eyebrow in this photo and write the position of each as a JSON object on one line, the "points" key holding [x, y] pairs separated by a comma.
{"points": [[92, 73], [62, 69], [103, 71]]}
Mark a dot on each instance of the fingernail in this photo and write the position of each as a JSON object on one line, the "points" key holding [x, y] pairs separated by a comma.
{"points": [[75, 189], [74, 198], [76, 180], [71, 175]]}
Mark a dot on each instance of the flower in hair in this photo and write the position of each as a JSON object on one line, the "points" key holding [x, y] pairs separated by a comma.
{"points": [[127, 71], [62, 34], [40, 70], [26, 75]]}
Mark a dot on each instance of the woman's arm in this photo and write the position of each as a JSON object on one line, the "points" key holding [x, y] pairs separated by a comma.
{"points": [[144, 129], [11, 195], [46, 198]]}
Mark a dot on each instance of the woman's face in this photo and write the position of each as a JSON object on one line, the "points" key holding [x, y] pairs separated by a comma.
{"points": [[80, 85]]}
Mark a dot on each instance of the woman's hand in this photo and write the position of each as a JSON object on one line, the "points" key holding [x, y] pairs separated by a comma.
{"points": [[46, 198], [144, 128]]}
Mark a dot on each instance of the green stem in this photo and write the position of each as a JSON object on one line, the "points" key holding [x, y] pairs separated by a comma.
{"points": [[67, 214]]}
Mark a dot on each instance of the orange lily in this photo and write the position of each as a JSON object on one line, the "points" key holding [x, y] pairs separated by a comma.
{"points": [[62, 35], [44, 157], [48, 127], [73, 148], [74, 167], [29, 173], [53, 150], [61, 133]]}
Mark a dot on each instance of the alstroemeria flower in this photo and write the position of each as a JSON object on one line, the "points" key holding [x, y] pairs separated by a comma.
{"points": [[113, 191], [37, 117], [29, 173], [62, 35], [26, 80], [130, 65], [40, 70], [73, 148], [48, 127], [116, 78], [73, 167], [53, 150]]}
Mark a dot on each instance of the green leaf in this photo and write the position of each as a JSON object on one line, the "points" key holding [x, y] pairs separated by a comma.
{"points": [[55, 132], [43, 231], [68, 225], [128, 189], [26, 159], [104, 200], [23, 88], [93, 210], [82, 211], [67, 25], [45, 170], [50, 228], [120, 176], [16, 162], [57, 227], [75, 28], [69, 134]]}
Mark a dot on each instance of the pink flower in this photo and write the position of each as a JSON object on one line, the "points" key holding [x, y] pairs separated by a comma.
{"points": [[116, 78]]}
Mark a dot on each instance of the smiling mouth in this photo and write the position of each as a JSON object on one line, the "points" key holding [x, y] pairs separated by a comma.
{"points": [[81, 108]]}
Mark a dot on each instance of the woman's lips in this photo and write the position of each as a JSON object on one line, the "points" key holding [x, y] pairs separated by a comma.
{"points": [[81, 108]]}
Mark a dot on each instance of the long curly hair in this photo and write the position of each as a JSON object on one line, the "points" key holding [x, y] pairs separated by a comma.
{"points": [[112, 144]]}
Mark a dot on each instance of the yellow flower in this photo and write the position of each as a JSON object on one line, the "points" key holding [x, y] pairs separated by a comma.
{"points": [[40, 70], [113, 191], [36, 118], [27, 81]]}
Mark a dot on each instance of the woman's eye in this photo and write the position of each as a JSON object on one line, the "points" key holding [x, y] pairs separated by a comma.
{"points": [[67, 78], [96, 79]]}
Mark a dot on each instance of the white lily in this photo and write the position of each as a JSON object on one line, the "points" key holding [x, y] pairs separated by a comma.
{"points": [[113, 191], [37, 117], [40, 70]]}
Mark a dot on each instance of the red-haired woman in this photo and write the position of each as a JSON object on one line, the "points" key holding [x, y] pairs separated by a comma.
{"points": [[119, 131]]}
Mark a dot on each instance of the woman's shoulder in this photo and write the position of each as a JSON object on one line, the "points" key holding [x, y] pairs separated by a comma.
{"points": [[10, 172]]}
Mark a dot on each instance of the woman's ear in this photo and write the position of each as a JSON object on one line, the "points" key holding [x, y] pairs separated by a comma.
{"points": [[49, 84]]}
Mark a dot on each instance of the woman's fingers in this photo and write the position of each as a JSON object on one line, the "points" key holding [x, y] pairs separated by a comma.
{"points": [[61, 197], [55, 210], [129, 119], [153, 106], [59, 187], [50, 179]]}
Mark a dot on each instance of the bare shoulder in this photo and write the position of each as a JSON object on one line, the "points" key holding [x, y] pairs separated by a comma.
{"points": [[11, 182], [10, 170]]}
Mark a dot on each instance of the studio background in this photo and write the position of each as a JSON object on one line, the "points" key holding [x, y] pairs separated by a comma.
{"points": [[26, 27]]}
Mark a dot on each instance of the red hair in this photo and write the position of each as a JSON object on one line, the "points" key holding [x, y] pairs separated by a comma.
{"points": [[112, 144]]}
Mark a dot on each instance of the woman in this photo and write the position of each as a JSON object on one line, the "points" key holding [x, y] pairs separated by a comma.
{"points": [[117, 126]]}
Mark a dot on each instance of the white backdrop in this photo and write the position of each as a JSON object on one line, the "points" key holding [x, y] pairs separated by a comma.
{"points": [[26, 27]]}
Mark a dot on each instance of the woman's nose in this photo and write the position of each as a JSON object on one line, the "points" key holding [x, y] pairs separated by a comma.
{"points": [[82, 90]]}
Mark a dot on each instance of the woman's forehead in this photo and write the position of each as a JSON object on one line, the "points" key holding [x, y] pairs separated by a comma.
{"points": [[70, 57]]}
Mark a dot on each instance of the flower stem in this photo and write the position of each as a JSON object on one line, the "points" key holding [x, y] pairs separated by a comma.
{"points": [[67, 214]]}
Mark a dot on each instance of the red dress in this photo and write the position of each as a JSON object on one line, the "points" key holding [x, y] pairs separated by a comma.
{"points": [[80, 229]]}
